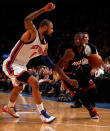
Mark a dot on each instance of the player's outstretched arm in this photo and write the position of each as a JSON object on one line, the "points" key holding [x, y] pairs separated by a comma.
{"points": [[28, 19], [31, 31]]}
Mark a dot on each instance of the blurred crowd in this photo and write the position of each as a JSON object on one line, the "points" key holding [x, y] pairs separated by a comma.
{"points": [[50, 84]]}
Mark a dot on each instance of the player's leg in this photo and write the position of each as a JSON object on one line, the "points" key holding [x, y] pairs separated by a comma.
{"points": [[92, 94], [90, 90], [77, 103], [87, 103], [10, 108], [84, 100], [33, 82]]}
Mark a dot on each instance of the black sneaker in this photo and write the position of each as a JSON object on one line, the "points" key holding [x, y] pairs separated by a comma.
{"points": [[93, 113]]}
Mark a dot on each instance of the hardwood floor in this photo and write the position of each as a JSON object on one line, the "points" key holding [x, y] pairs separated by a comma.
{"points": [[67, 119]]}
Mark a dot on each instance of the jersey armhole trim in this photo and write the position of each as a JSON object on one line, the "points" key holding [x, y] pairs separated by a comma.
{"points": [[29, 41]]}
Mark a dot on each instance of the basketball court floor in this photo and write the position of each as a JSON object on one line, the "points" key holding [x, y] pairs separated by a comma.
{"points": [[67, 119]]}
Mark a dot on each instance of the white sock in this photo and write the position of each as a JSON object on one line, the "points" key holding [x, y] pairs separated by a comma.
{"points": [[40, 107], [11, 104]]}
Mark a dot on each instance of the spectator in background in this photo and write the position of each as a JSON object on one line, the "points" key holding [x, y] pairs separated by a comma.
{"points": [[56, 85], [45, 80], [5, 82], [107, 64]]}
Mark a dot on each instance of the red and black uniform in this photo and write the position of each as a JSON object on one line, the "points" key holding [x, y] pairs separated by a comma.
{"points": [[82, 74], [87, 89]]}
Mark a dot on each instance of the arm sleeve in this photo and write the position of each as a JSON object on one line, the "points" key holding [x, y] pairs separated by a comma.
{"points": [[47, 61]]}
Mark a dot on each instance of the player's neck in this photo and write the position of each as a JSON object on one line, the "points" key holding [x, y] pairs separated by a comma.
{"points": [[41, 34]]}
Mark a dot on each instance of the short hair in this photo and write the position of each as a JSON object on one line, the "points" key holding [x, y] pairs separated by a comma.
{"points": [[45, 22], [79, 34], [85, 33]]}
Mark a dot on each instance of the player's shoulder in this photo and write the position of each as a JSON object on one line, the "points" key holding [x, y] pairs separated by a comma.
{"points": [[91, 45], [67, 50], [29, 37], [61, 52]]}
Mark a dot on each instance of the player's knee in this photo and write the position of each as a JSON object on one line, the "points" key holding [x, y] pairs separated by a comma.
{"points": [[33, 82]]}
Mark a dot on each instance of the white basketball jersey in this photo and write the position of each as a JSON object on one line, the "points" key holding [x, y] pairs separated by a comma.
{"points": [[23, 52]]}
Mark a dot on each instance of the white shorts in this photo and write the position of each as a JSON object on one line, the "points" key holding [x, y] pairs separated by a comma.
{"points": [[13, 71]]}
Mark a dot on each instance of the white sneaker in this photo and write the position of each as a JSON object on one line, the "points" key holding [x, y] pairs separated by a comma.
{"points": [[11, 111], [46, 118]]}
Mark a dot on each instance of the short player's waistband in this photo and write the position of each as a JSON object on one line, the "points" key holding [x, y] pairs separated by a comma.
{"points": [[88, 88]]}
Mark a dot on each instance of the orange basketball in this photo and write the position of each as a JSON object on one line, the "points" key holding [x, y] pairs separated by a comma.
{"points": [[95, 60]]}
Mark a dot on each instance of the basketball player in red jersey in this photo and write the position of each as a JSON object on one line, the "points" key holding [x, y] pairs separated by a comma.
{"points": [[31, 44]]}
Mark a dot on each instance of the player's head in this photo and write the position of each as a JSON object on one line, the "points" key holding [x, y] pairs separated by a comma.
{"points": [[85, 37], [78, 39], [46, 26]]}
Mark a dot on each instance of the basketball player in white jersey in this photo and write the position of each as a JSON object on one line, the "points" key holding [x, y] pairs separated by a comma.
{"points": [[31, 44]]}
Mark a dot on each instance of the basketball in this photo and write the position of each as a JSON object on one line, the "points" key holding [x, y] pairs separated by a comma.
{"points": [[95, 60]]}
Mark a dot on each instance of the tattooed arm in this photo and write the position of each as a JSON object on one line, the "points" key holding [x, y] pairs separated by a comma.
{"points": [[30, 33]]}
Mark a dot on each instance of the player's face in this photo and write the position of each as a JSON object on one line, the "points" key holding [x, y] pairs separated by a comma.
{"points": [[77, 40], [86, 38], [50, 29]]}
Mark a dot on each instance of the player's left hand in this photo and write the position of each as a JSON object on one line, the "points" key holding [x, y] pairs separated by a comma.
{"points": [[50, 6], [74, 83]]}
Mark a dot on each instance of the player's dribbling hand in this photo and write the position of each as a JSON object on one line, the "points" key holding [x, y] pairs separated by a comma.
{"points": [[74, 83], [50, 6]]}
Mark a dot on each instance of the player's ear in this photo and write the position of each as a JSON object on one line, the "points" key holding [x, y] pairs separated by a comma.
{"points": [[44, 28]]}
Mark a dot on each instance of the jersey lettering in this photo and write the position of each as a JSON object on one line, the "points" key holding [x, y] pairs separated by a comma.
{"points": [[38, 48]]}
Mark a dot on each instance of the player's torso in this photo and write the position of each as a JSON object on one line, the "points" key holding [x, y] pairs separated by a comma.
{"points": [[23, 52], [78, 56]]}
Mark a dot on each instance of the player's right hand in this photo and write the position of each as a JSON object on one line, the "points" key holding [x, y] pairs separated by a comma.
{"points": [[50, 6]]}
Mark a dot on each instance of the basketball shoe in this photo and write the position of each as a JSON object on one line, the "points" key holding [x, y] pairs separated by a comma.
{"points": [[46, 118], [11, 111], [93, 113]]}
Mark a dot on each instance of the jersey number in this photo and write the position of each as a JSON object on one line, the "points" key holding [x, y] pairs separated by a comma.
{"points": [[38, 48]]}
